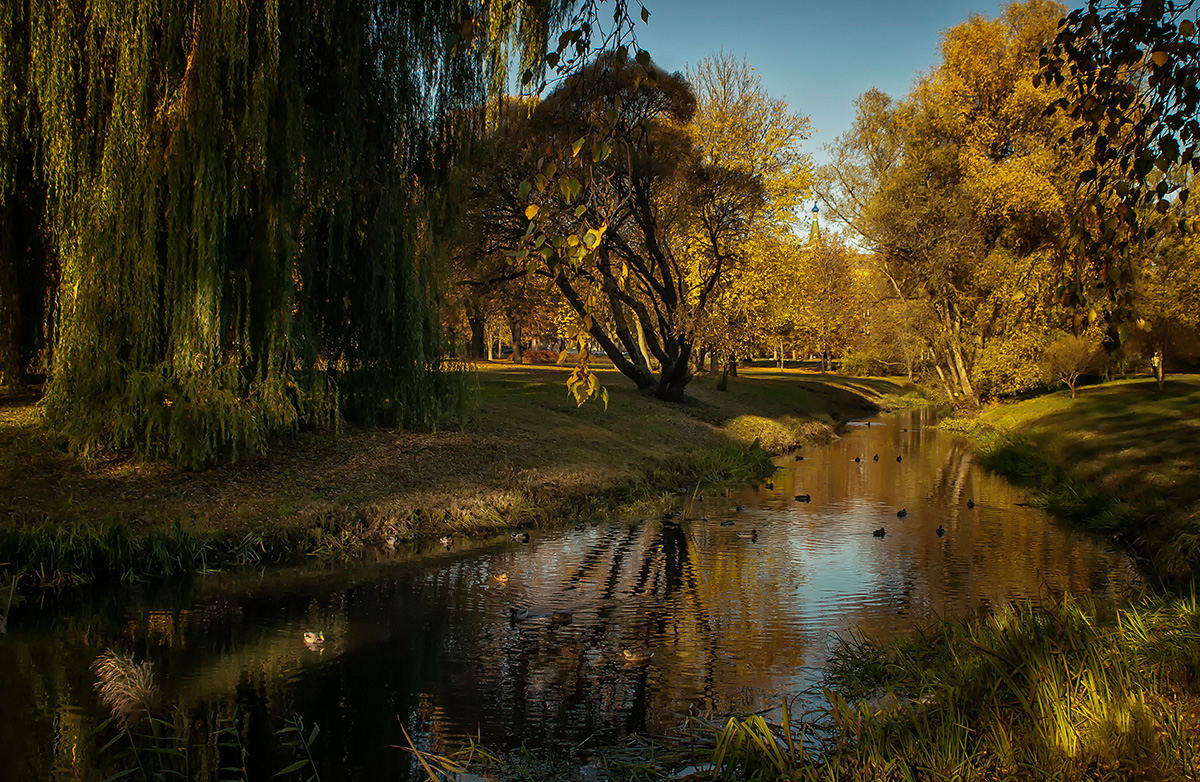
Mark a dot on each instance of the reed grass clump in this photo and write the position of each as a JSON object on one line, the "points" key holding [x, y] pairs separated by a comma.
{"points": [[1058, 692]]}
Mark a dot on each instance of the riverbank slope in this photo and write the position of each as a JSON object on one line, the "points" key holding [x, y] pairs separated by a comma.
{"points": [[1122, 457], [525, 455]]}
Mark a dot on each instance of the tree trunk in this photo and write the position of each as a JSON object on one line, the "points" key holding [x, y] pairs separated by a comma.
{"points": [[515, 327], [780, 349], [945, 382], [733, 362], [713, 362], [475, 347], [952, 324], [641, 339], [1159, 370], [490, 355], [723, 383]]}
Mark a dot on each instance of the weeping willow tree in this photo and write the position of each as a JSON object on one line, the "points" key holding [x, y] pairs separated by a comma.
{"points": [[231, 213]]}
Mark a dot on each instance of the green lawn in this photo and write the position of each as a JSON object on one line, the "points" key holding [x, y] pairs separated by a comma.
{"points": [[1126, 442]]}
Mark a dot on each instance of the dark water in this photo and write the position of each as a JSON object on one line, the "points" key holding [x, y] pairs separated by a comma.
{"points": [[735, 624]]}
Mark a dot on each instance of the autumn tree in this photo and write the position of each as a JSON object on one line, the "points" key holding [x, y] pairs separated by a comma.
{"points": [[739, 126], [952, 184], [1167, 298], [636, 226], [1070, 355], [829, 297]]}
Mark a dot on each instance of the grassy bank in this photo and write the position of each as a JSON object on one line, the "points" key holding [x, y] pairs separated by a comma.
{"points": [[1122, 458], [526, 456]]}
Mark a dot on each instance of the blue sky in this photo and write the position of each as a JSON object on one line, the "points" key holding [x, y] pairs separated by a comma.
{"points": [[818, 56]]}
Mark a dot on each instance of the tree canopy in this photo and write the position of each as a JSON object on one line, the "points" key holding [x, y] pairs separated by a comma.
{"points": [[221, 221]]}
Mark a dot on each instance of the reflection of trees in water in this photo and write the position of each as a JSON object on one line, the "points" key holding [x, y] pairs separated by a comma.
{"points": [[429, 642]]}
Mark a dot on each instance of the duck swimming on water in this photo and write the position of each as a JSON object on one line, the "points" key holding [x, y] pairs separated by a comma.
{"points": [[940, 531], [902, 513], [637, 656], [879, 533], [803, 498], [970, 503]]}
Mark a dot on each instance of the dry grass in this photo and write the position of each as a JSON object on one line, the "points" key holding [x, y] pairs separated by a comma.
{"points": [[126, 688], [526, 448]]}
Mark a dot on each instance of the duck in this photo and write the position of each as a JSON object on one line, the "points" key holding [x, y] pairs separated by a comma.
{"points": [[520, 537], [739, 508], [799, 458], [803, 498], [902, 513], [769, 486], [637, 656], [390, 542], [857, 459], [898, 457], [579, 526], [879, 533], [727, 523], [940, 531], [446, 541], [970, 503], [876, 457], [751, 535], [561, 617], [312, 640], [517, 614], [501, 578]]}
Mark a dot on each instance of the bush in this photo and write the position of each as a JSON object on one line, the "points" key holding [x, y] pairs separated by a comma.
{"points": [[862, 365], [539, 357]]}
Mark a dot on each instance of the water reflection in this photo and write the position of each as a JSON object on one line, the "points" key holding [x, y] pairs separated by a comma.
{"points": [[734, 623]]}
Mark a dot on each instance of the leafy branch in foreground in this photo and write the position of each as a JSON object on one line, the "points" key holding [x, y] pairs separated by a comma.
{"points": [[1130, 76]]}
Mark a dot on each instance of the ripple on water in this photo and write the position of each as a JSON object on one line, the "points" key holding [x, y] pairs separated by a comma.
{"points": [[733, 623]]}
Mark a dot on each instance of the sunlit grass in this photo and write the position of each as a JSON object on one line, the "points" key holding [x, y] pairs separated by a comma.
{"points": [[1122, 456]]}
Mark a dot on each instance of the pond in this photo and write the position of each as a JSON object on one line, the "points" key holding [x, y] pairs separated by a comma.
{"points": [[429, 639]]}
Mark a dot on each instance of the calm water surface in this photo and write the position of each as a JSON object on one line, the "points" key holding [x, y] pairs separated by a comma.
{"points": [[425, 638]]}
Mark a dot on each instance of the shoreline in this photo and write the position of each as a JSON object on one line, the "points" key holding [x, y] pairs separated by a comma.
{"points": [[527, 457], [1131, 476]]}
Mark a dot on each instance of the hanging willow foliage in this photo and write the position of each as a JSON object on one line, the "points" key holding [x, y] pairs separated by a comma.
{"points": [[244, 204]]}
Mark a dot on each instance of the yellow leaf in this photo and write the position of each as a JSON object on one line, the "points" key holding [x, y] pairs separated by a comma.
{"points": [[531, 211], [1160, 58]]}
